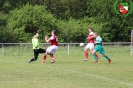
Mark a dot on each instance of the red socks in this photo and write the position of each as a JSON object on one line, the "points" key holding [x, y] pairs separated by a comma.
{"points": [[86, 54], [44, 58], [52, 57]]}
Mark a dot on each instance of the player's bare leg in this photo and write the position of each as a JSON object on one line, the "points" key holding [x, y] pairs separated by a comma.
{"points": [[44, 57], [95, 53], [52, 58], [86, 54], [95, 58]]}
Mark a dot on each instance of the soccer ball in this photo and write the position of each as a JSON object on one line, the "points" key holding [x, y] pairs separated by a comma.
{"points": [[81, 44]]}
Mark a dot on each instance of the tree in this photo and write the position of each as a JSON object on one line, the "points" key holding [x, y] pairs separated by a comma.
{"points": [[26, 20]]}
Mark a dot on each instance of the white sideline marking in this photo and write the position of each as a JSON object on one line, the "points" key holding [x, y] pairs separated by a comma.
{"points": [[96, 76], [102, 77]]}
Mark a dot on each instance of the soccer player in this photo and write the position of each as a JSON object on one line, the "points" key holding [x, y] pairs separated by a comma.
{"points": [[36, 49], [37, 33], [99, 48], [53, 48], [90, 44]]}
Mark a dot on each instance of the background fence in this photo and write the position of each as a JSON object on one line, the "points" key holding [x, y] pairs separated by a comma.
{"points": [[25, 49]]}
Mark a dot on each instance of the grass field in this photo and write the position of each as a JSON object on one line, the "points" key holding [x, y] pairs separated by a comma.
{"points": [[68, 71]]}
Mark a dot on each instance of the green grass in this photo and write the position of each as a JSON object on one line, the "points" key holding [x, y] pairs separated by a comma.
{"points": [[68, 71]]}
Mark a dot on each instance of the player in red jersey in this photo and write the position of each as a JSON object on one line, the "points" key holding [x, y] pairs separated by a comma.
{"points": [[53, 48], [90, 44]]}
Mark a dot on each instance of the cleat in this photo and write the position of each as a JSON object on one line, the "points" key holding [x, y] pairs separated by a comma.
{"points": [[110, 61], [43, 61], [95, 61], [52, 61], [29, 61], [85, 59]]}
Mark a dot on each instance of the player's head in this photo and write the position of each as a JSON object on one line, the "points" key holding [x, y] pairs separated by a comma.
{"points": [[35, 37], [95, 34], [38, 31], [53, 32], [90, 29]]}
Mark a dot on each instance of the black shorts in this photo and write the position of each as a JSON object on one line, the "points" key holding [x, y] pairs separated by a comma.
{"points": [[37, 51], [40, 50]]}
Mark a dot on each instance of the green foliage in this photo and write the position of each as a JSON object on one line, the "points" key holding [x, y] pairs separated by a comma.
{"points": [[75, 30], [7, 35], [28, 19], [70, 18], [25, 21], [66, 9]]}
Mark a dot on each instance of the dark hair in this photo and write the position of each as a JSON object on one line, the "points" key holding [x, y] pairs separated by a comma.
{"points": [[54, 32], [91, 29]]}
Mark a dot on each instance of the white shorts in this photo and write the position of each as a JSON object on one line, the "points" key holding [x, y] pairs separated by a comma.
{"points": [[90, 46], [52, 49]]}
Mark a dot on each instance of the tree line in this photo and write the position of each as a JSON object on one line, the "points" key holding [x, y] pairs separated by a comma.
{"points": [[19, 20]]}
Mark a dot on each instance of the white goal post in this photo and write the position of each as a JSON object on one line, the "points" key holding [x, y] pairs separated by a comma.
{"points": [[131, 46]]}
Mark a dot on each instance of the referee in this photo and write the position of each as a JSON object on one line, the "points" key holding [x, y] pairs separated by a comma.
{"points": [[36, 48]]}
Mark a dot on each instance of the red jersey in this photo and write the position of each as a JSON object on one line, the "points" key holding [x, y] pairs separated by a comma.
{"points": [[92, 39], [53, 40]]}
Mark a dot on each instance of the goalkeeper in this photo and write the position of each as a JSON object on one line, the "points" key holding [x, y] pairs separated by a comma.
{"points": [[36, 48]]}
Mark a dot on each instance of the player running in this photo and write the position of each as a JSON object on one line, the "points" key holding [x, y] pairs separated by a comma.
{"points": [[90, 44], [99, 48], [36, 49], [53, 48]]}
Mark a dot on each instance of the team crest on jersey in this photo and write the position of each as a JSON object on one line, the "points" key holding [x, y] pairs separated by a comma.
{"points": [[123, 8]]}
